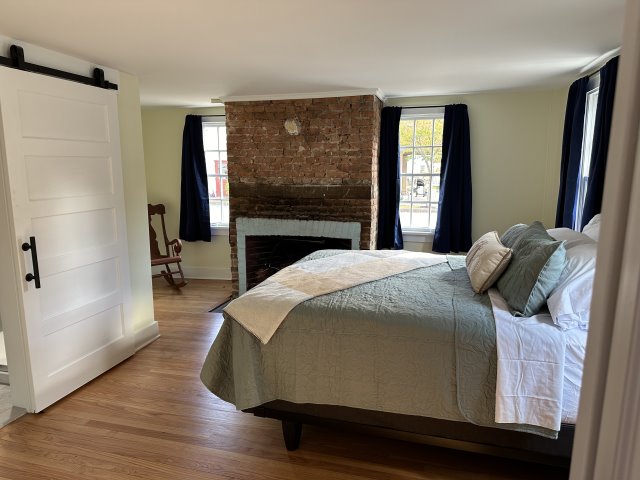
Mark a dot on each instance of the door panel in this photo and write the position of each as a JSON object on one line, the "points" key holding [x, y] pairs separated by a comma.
{"points": [[71, 176], [61, 157], [70, 232], [46, 115], [70, 289]]}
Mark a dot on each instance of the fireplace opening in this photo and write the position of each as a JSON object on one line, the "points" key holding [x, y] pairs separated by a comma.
{"points": [[267, 254]]}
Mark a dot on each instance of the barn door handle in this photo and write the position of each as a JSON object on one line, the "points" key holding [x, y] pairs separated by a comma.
{"points": [[34, 259]]}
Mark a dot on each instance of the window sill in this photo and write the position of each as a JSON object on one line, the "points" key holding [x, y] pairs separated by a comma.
{"points": [[416, 236], [219, 231]]}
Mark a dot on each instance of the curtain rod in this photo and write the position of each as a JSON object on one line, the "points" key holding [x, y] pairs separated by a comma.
{"points": [[599, 62]]}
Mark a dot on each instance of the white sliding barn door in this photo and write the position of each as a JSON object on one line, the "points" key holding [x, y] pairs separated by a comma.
{"points": [[63, 186]]}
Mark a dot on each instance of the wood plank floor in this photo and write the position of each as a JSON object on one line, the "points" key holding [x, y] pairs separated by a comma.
{"points": [[151, 418]]}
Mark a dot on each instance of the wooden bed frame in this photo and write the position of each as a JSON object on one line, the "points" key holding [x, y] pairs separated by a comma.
{"points": [[445, 433]]}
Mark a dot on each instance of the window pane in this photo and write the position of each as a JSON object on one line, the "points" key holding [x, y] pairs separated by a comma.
{"points": [[213, 168], [422, 161], [210, 137], [406, 133], [405, 214], [406, 158], [215, 211], [222, 135], [225, 211], [433, 215], [420, 215], [420, 188], [439, 128], [215, 188], [405, 187], [424, 132], [225, 187], [437, 160], [435, 188]]}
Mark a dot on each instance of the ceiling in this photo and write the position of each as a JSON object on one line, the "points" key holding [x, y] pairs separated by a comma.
{"points": [[186, 52]]}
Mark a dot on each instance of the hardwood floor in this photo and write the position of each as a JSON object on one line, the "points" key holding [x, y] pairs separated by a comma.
{"points": [[151, 418]]}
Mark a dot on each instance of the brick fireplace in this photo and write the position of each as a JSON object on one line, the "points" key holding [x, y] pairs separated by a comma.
{"points": [[327, 173]]}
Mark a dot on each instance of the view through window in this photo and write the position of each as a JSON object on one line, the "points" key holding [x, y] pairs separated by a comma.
{"points": [[214, 134], [420, 159], [587, 147]]}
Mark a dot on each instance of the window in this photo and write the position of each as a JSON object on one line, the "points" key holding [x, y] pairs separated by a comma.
{"points": [[591, 105], [214, 134], [420, 160]]}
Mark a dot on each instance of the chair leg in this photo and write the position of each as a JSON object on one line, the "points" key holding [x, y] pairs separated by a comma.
{"points": [[168, 275], [182, 280]]}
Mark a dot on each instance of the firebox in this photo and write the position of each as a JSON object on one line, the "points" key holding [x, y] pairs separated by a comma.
{"points": [[266, 245], [265, 255]]}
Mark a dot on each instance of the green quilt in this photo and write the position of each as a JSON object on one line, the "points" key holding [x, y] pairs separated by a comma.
{"points": [[418, 343]]}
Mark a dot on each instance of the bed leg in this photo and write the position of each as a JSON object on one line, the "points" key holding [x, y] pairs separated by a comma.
{"points": [[292, 431]]}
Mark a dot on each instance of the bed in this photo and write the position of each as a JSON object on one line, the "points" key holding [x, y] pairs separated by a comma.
{"points": [[417, 351]]}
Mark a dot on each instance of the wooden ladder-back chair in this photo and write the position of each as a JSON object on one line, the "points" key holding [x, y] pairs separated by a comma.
{"points": [[172, 250]]}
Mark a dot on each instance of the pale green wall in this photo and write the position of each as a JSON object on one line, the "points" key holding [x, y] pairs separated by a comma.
{"points": [[135, 195], [516, 140], [162, 133]]}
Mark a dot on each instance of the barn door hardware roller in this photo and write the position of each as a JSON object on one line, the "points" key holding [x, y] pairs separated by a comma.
{"points": [[16, 60]]}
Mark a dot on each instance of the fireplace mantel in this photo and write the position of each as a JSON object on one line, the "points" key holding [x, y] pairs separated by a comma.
{"points": [[282, 227]]}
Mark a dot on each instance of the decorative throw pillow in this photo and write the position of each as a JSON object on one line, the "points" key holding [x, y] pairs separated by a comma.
{"points": [[534, 271], [486, 261], [511, 236]]}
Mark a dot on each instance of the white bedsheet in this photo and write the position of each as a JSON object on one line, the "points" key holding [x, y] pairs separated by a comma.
{"points": [[576, 343], [539, 368]]}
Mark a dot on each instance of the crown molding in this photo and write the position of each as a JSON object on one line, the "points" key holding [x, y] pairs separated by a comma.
{"points": [[299, 96]]}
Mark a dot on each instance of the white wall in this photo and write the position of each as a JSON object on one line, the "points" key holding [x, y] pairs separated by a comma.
{"points": [[516, 140], [135, 195]]}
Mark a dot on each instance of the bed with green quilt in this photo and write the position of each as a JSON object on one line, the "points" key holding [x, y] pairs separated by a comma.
{"points": [[415, 352]]}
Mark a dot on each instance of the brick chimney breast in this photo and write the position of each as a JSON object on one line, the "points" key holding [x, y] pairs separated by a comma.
{"points": [[328, 171]]}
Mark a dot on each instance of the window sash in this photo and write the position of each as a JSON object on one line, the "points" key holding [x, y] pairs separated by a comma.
{"points": [[433, 114], [218, 215]]}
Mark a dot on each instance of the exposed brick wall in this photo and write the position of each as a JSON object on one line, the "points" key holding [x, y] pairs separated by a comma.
{"points": [[328, 172]]}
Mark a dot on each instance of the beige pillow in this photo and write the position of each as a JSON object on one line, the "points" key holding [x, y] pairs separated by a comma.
{"points": [[486, 261]]}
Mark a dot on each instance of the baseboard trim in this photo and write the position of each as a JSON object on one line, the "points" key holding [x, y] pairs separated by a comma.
{"points": [[146, 335], [207, 273]]}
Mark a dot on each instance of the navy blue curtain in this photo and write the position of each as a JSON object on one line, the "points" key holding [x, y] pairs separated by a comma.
{"points": [[571, 153], [194, 194], [389, 228], [453, 229], [601, 133]]}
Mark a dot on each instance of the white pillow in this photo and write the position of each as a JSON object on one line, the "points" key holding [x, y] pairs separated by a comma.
{"points": [[570, 302], [486, 261], [592, 229], [571, 238]]}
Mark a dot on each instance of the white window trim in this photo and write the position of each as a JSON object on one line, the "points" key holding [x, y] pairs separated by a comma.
{"points": [[418, 236], [421, 235], [593, 85], [217, 229]]}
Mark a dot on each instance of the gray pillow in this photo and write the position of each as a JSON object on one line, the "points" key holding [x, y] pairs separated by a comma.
{"points": [[511, 236], [534, 271]]}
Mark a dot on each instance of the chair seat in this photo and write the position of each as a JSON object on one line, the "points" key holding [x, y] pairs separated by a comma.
{"points": [[164, 260]]}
